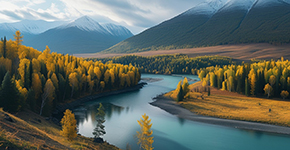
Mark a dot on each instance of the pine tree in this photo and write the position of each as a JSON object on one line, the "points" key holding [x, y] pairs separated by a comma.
{"points": [[9, 97], [247, 87], [69, 125], [100, 117], [145, 138]]}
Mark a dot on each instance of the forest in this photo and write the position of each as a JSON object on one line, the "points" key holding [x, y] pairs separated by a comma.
{"points": [[271, 78], [41, 80], [168, 64]]}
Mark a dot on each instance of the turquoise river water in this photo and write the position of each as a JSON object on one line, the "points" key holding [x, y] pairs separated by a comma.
{"points": [[169, 131]]}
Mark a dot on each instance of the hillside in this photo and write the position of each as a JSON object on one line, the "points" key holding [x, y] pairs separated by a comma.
{"points": [[218, 22], [31, 131], [242, 52]]}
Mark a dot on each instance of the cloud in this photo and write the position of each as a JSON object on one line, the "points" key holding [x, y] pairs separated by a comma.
{"points": [[134, 14]]}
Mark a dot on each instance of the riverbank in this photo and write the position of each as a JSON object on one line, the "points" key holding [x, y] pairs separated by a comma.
{"points": [[222, 109], [173, 108], [62, 107]]}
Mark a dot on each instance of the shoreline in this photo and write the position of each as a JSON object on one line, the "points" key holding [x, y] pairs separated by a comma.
{"points": [[62, 107], [169, 105]]}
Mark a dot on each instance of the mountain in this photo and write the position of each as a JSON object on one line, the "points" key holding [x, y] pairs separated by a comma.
{"points": [[217, 22], [83, 35], [27, 27]]}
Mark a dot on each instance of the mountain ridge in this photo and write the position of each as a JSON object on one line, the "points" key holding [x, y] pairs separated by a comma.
{"points": [[82, 35], [253, 21]]}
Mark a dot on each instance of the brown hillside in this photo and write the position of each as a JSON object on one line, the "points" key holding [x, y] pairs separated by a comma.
{"points": [[241, 52]]}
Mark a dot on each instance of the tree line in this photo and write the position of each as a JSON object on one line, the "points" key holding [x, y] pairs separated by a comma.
{"points": [[41, 80], [265, 77], [168, 64]]}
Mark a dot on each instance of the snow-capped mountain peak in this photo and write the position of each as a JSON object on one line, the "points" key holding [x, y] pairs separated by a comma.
{"points": [[116, 30], [207, 8], [85, 23], [30, 26], [238, 4]]}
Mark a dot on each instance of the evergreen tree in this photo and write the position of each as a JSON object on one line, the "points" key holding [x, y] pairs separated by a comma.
{"points": [[100, 117], [247, 91], [10, 98]]}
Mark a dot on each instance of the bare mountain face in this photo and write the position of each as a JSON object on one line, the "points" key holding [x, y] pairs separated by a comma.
{"points": [[83, 35], [216, 22]]}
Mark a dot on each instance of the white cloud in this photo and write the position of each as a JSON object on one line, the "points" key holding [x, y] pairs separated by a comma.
{"points": [[136, 15]]}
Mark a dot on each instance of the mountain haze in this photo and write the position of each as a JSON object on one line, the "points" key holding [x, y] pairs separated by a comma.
{"points": [[83, 35], [217, 22]]}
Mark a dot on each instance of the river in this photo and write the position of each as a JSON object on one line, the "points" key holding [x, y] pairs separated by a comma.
{"points": [[169, 131]]}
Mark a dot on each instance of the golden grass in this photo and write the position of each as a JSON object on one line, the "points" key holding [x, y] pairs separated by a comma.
{"points": [[238, 51], [27, 132], [230, 105]]}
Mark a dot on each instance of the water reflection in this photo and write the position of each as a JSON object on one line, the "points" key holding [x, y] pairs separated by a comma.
{"points": [[82, 116]]}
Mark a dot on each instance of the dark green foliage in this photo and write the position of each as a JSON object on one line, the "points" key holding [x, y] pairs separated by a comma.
{"points": [[31, 100], [168, 64], [4, 47], [100, 118], [208, 91], [180, 94], [10, 99], [247, 87]]}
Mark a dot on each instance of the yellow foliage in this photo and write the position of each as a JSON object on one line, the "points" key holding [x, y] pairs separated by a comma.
{"points": [[69, 125], [145, 138]]}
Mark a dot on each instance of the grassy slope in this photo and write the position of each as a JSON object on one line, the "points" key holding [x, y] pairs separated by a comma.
{"points": [[241, 52], [259, 25], [230, 105], [31, 131]]}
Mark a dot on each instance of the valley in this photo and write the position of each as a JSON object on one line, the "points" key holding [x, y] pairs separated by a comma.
{"points": [[242, 52]]}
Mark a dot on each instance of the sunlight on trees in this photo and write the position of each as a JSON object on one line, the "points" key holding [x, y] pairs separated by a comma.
{"points": [[69, 125], [145, 138]]}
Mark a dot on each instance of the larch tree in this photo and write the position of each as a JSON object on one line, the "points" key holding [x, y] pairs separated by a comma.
{"points": [[69, 125], [268, 90], [36, 85], [272, 80], [145, 138], [48, 94], [284, 94], [73, 82], [185, 87], [18, 38]]}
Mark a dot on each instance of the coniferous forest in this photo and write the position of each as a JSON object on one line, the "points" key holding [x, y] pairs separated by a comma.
{"points": [[271, 78], [168, 64], [40, 80]]}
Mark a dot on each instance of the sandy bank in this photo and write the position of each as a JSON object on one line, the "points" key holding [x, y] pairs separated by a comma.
{"points": [[171, 107]]}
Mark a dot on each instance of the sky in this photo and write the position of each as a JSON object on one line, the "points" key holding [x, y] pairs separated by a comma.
{"points": [[136, 15]]}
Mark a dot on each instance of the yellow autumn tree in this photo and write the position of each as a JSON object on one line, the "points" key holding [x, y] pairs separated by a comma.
{"points": [[284, 94], [69, 125], [18, 38], [145, 138]]}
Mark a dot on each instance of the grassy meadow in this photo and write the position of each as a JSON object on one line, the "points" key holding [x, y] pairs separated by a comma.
{"points": [[230, 105]]}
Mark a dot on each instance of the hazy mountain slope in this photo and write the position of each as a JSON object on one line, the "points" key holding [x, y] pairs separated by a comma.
{"points": [[83, 35], [233, 22]]}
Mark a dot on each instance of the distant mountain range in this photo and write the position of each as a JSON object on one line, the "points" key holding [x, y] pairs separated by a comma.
{"points": [[83, 35], [217, 22]]}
